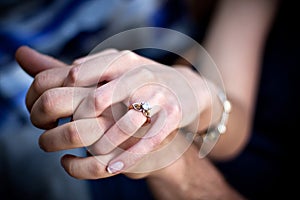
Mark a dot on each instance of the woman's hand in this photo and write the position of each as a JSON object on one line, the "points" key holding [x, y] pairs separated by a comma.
{"points": [[96, 92]]}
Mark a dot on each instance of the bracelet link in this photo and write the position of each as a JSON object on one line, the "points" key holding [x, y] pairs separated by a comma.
{"points": [[221, 126], [209, 138]]}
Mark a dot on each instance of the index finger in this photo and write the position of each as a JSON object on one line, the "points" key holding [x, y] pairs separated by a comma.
{"points": [[34, 62], [49, 72]]}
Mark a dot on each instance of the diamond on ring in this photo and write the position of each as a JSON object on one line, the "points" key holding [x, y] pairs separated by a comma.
{"points": [[143, 107]]}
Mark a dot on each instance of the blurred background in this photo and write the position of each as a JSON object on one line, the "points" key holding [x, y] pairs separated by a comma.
{"points": [[66, 30], [70, 29]]}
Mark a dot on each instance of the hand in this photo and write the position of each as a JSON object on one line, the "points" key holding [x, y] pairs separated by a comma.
{"points": [[100, 119]]}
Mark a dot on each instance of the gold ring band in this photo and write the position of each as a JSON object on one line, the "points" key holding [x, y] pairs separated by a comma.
{"points": [[144, 108]]}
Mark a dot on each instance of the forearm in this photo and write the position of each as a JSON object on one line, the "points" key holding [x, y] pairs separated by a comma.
{"points": [[235, 42], [191, 178]]}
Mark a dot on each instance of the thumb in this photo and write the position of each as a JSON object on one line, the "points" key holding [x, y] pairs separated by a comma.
{"points": [[34, 62]]}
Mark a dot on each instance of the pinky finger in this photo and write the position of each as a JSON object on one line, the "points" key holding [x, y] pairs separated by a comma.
{"points": [[84, 168], [153, 139]]}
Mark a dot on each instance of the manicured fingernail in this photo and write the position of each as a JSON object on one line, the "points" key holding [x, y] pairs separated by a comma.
{"points": [[115, 167]]}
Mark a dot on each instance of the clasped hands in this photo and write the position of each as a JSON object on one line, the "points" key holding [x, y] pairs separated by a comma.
{"points": [[95, 92]]}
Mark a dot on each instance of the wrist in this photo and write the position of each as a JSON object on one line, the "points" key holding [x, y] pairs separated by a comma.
{"points": [[213, 104], [190, 178], [214, 112], [170, 182]]}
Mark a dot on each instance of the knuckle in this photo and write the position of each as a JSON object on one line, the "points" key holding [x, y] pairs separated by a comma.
{"points": [[73, 74], [42, 143], [130, 57], [175, 110], [129, 54], [159, 97], [28, 102], [71, 135], [39, 81], [110, 50], [47, 101], [79, 61], [96, 169], [76, 62], [71, 169], [99, 99], [175, 115], [146, 74], [97, 103]]}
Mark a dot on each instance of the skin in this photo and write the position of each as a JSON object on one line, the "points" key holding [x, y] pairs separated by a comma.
{"points": [[90, 105], [234, 47]]}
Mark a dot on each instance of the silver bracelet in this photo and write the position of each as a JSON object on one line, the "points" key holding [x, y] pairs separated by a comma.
{"points": [[221, 126], [210, 137], [213, 132]]}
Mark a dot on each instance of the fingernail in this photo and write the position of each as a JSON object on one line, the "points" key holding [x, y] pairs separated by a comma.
{"points": [[115, 167]]}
